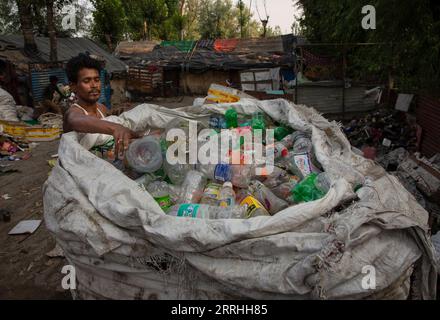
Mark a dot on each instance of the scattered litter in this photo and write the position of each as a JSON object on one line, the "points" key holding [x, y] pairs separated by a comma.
{"points": [[55, 252], [25, 227], [6, 196]]}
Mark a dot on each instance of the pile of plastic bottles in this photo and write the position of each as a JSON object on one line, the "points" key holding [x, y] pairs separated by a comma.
{"points": [[230, 191]]}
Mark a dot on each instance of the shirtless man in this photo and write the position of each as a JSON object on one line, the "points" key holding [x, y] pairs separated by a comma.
{"points": [[86, 115]]}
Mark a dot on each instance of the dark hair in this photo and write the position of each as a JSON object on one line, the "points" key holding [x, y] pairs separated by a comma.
{"points": [[53, 79], [80, 62]]}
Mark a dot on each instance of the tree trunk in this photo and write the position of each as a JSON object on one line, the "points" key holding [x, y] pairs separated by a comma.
{"points": [[51, 30], [108, 39], [24, 11]]}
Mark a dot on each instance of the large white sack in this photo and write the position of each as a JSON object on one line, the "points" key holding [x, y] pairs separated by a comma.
{"points": [[125, 247], [8, 111]]}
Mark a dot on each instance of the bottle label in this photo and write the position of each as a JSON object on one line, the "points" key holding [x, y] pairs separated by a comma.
{"points": [[302, 162], [212, 191], [222, 172], [252, 205], [224, 203], [188, 210], [164, 202]]}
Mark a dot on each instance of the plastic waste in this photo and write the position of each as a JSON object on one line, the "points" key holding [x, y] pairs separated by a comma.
{"points": [[277, 177], [203, 211], [271, 202], [258, 121], [281, 132], [306, 190], [160, 191], [284, 190], [322, 182], [192, 187], [144, 155], [211, 194], [302, 142], [231, 117], [220, 172], [217, 122], [253, 207], [300, 164], [227, 195], [242, 175], [176, 173]]}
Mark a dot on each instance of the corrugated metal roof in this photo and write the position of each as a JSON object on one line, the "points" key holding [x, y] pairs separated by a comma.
{"points": [[68, 48], [274, 44], [128, 48]]}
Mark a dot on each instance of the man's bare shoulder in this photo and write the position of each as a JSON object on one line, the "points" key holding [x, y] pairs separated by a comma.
{"points": [[103, 109]]}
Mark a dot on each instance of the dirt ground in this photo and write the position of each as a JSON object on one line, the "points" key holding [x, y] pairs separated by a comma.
{"points": [[25, 270]]}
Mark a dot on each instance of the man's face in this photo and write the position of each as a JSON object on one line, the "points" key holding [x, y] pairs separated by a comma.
{"points": [[88, 86]]}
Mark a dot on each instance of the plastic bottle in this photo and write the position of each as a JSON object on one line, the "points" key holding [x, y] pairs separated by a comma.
{"points": [[322, 182], [242, 175], [192, 187], [227, 195], [144, 155], [271, 202], [231, 117], [302, 142], [301, 165], [258, 121], [220, 172], [284, 190], [279, 150], [306, 190], [253, 207], [177, 172], [281, 132], [203, 211], [160, 192], [277, 177], [211, 194]]}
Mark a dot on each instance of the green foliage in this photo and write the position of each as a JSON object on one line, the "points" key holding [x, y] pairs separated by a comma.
{"points": [[109, 20], [408, 32]]}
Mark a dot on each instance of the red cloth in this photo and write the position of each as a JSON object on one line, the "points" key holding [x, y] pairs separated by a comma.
{"points": [[225, 45]]}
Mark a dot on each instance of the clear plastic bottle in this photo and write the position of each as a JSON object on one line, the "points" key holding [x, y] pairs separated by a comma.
{"points": [[177, 172], [220, 172], [271, 202], [227, 195], [203, 211], [277, 177], [284, 190], [211, 194], [279, 150], [242, 175], [160, 191], [192, 187], [322, 182], [253, 207], [302, 142], [144, 155]]}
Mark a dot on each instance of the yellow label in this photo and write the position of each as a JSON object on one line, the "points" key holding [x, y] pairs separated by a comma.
{"points": [[251, 204]]}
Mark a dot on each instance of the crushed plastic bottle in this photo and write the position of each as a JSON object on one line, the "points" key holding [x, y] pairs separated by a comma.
{"points": [[231, 117], [203, 211], [192, 187], [144, 155], [281, 132], [177, 172], [322, 182], [279, 150], [160, 191], [306, 190], [242, 175], [211, 194], [302, 142], [277, 177], [227, 195], [254, 208], [300, 164], [220, 172], [284, 190], [271, 202], [258, 122]]}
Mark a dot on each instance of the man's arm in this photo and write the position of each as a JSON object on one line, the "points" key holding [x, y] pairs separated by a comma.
{"points": [[76, 120]]}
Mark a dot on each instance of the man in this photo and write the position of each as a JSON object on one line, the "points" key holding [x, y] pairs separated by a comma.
{"points": [[86, 115], [49, 103]]}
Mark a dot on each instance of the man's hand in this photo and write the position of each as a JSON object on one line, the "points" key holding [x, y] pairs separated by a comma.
{"points": [[123, 136]]}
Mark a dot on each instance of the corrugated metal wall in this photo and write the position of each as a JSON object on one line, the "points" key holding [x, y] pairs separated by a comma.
{"points": [[329, 99], [40, 80], [428, 117]]}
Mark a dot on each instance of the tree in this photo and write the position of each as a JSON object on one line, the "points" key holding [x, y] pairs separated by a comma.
{"points": [[108, 21], [51, 31], [407, 38], [30, 46]]}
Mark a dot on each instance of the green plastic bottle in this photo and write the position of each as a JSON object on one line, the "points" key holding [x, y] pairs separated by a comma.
{"points": [[306, 190], [282, 132], [258, 121], [231, 118]]}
